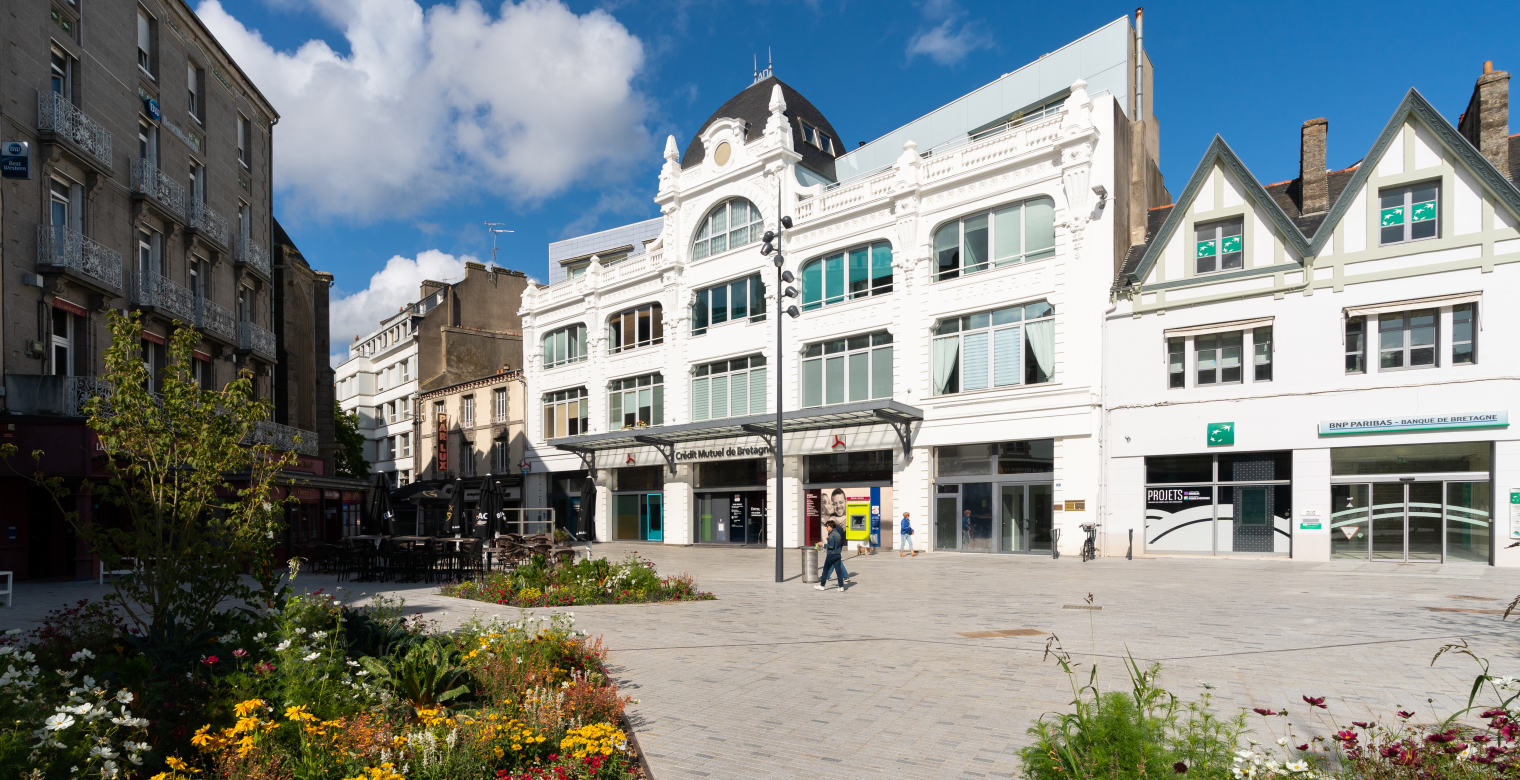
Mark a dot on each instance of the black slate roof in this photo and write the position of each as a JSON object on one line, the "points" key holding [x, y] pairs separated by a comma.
{"points": [[1289, 197], [1514, 158], [1153, 221], [753, 106]]}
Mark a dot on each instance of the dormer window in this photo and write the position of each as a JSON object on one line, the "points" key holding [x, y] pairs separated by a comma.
{"points": [[817, 138], [1219, 246], [1409, 213]]}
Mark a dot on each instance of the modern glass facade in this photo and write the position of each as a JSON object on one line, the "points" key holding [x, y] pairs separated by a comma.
{"points": [[1238, 502], [1411, 502], [995, 497]]}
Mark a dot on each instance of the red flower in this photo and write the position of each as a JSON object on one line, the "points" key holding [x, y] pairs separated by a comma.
{"points": [[1304, 746], [210, 660], [1361, 725], [1180, 768], [240, 653], [1346, 736], [1406, 714], [1261, 711], [1318, 701]]}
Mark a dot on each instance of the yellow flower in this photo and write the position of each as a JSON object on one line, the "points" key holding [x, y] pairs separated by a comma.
{"points": [[245, 708], [298, 712], [179, 766]]}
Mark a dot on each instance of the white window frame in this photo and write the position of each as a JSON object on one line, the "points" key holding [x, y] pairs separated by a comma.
{"points": [[709, 230], [1471, 325], [557, 345], [1256, 358], [192, 82], [64, 342], [638, 389], [998, 325], [558, 407], [617, 325], [499, 403], [467, 411], [242, 140], [867, 349], [754, 377], [705, 297], [145, 43], [64, 74], [1215, 229], [1406, 203], [1406, 347], [846, 294], [1004, 212]]}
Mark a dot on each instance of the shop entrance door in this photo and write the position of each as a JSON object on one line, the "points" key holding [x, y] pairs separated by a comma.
{"points": [[1397, 521], [652, 516], [1025, 518]]}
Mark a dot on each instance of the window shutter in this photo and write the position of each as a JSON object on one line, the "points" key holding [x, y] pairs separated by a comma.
{"points": [[757, 391], [1007, 354], [615, 410], [699, 400], [739, 393], [974, 375], [719, 397], [812, 382], [881, 372]]}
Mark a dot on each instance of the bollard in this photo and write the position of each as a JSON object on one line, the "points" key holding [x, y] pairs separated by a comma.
{"points": [[810, 564], [1055, 542], [1129, 555]]}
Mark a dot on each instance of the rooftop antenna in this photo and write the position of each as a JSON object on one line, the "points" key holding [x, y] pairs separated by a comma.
{"points": [[496, 230], [763, 74]]}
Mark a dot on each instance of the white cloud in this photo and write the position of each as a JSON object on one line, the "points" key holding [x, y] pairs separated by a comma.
{"points": [[952, 39], [443, 104], [391, 288]]}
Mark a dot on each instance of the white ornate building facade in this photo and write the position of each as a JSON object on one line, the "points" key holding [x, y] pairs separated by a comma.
{"points": [[946, 357]]}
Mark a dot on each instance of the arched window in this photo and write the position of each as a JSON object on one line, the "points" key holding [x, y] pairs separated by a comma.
{"points": [[634, 328], [731, 225], [990, 239], [854, 273], [565, 345]]}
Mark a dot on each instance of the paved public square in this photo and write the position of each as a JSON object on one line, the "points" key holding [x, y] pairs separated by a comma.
{"points": [[774, 681]]}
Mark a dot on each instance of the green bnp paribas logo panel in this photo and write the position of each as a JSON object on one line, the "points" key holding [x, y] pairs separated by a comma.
{"points": [[1221, 434], [1419, 212]]}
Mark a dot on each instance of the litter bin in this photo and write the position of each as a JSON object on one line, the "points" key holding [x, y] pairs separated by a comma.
{"points": [[810, 564]]}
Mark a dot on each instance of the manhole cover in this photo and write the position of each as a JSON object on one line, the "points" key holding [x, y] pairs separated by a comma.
{"points": [[1002, 632], [1080, 606]]}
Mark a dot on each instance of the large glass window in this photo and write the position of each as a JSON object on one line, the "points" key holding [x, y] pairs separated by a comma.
{"points": [[636, 402], [1409, 213], [728, 388], [1410, 459], [857, 272], [1218, 358], [565, 345], [1002, 348], [1239, 502], [869, 466], [739, 300], [1219, 246], [731, 225], [1463, 334], [566, 413], [1014, 234], [1356, 345], [1407, 340], [634, 328], [857, 368]]}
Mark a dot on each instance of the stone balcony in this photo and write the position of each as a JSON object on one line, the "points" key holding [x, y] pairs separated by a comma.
{"points": [[162, 296], [66, 252], [62, 122], [151, 185], [249, 255]]}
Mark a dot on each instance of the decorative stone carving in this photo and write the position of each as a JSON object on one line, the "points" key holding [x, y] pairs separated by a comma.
{"points": [[778, 130]]}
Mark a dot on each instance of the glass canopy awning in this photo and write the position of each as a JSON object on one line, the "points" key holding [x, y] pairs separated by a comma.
{"points": [[664, 438]]}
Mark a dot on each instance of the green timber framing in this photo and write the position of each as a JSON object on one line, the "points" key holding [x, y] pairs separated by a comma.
{"points": [[1493, 189]]}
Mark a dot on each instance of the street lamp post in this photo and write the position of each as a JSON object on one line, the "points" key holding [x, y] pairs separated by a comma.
{"points": [[783, 277]]}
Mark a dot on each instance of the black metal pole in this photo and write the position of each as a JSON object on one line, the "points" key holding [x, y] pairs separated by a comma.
{"points": [[776, 511]]}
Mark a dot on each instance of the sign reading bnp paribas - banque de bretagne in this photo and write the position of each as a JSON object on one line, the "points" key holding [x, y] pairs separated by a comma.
{"points": [[1424, 422]]}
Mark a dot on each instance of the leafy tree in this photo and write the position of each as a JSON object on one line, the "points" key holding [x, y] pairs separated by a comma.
{"points": [[350, 460], [188, 532]]}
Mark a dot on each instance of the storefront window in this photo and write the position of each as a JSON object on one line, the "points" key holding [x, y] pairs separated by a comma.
{"points": [[873, 466], [638, 478], [1035, 456], [1206, 504], [731, 473], [1410, 459], [726, 512], [995, 497]]}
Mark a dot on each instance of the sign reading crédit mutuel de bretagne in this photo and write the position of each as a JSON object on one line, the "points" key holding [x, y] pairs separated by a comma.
{"points": [[1428, 422]]}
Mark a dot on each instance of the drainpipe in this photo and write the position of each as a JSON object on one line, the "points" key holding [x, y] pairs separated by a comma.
{"points": [[1103, 431], [1139, 62]]}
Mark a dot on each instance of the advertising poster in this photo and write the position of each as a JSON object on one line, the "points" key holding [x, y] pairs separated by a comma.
{"points": [[861, 511]]}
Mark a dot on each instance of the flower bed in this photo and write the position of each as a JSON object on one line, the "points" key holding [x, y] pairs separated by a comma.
{"points": [[632, 580], [310, 688]]}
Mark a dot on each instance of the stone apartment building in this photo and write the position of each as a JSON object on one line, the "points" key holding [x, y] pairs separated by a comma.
{"points": [[471, 432], [455, 333], [149, 158]]}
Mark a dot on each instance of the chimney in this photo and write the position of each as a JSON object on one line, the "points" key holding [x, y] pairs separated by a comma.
{"points": [[1314, 184], [1485, 124]]}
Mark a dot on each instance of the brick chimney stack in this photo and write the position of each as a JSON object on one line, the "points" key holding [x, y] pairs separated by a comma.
{"points": [[1314, 183], [1485, 124]]}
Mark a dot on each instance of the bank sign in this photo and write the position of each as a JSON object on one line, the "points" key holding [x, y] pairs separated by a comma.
{"points": [[1432, 422]]}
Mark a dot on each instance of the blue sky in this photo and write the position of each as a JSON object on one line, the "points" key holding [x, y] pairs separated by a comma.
{"points": [[406, 126]]}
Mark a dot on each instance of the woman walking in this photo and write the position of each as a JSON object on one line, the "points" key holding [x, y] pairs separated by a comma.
{"points": [[831, 559], [907, 538]]}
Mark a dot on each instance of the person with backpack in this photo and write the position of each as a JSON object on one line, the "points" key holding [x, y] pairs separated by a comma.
{"points": [[832, 560], [907, 538]]}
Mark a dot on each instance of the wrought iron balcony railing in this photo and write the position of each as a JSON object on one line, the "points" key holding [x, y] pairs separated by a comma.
{"points": [[212, 317], [209, 223], [284, 437], [57, 115], [61, 247], [152, 289], [245, 251], [255, 339], [81, 389], [150, 182]]}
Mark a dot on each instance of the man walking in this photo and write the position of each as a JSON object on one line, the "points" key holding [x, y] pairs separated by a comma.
{"points": [[831, 558], [907, 538]]}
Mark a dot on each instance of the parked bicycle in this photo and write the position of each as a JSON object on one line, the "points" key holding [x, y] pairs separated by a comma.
{"points": [[1090, 546]]}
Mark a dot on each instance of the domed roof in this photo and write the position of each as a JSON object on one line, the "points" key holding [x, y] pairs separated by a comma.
{"points": [[753, 106]]}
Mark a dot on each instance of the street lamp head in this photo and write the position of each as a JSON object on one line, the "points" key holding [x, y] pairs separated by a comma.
{"points": [[790, 292], [786, 222], [786, 276], [770, 235], [792, 312], [779, 260], [766, 248]]}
